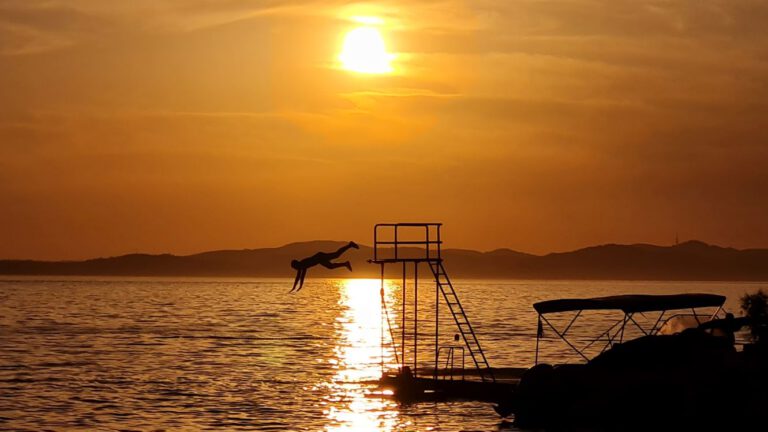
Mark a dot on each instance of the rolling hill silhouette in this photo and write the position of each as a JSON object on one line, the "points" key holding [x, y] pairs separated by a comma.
{"points": [[693, 260]]}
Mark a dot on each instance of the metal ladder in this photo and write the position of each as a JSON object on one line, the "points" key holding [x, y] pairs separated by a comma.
{"points": [[462, 321]]}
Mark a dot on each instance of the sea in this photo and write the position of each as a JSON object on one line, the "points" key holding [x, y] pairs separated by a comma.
{"points": [[167, 354]]}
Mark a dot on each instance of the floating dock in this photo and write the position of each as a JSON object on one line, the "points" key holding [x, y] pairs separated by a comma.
{"points": [[409, 388]]}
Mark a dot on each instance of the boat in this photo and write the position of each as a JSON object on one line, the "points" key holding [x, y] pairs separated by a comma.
{"points": [[672, 376]]}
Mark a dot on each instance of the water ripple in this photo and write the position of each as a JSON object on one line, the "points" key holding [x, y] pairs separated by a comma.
{"points": [[242, 355]]}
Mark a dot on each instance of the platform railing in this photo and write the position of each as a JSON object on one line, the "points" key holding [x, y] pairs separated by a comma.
{"points": [[388, 248], [449, 367]]}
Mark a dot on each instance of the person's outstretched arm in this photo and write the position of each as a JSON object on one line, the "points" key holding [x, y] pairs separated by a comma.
{"points": [[295, 281], [301, 282]]}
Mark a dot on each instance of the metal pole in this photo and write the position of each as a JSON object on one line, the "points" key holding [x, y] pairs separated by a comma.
{"points": [[653, 329], [395, 241], [415, 316], [557, 332], [627, 317], [402, 326], [382, 319], [715, 314], [539, 331], [437, 323]]}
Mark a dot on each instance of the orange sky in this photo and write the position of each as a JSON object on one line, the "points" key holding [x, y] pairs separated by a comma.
{"points": [[189, 125]]}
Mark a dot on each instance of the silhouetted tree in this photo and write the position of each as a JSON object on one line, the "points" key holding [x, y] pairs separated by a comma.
{"points": [[755, 307]]}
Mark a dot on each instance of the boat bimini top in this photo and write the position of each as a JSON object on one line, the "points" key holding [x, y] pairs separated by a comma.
{"points": [[629, 305]]}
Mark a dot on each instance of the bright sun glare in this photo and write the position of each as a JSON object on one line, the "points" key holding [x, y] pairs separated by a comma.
{"points": [[364, 51]]}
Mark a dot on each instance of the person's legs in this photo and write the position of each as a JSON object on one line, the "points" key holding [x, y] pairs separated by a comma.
{"points": [[333, 265], [341, 250]]}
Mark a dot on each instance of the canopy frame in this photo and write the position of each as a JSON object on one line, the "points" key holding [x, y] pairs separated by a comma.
{"points": [[629, 305]]}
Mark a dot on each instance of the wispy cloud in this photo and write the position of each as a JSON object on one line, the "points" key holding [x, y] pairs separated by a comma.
{"points": [[540, 113]]}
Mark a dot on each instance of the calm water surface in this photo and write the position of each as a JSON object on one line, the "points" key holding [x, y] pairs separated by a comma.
{"points": [[143, 354]]}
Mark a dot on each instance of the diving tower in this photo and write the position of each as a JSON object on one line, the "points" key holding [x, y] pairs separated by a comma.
{"points": [[406, 248]]}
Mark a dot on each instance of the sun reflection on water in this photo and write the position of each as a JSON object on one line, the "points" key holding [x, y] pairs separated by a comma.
{"points": [[358, 360]]}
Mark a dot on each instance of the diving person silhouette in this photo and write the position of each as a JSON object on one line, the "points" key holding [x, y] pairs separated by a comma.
{"points": [[321, 258]]}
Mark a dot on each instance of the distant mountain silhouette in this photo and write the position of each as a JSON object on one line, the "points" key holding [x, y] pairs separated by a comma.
{"points": [[693, 260]]}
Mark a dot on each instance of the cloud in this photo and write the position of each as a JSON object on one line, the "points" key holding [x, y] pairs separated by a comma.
{"points": [[577, 121], [31, 28]]}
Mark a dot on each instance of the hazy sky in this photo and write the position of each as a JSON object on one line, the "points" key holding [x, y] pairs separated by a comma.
{"points": [[188, 125]]}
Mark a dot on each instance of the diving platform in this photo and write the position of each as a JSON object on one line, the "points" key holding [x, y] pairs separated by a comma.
{"points": [[460, 368], [422, 389]]}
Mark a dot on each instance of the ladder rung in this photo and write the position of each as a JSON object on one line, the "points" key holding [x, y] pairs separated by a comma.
{"points": [[462, 322]]}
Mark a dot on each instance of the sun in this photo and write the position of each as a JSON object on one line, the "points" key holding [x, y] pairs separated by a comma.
{"points": [[364, 51]]}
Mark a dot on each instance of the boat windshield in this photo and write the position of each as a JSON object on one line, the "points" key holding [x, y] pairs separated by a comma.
{"points": [[680, 322]]}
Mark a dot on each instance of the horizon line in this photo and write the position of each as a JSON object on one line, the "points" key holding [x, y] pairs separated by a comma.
{"points": [[692, 241]]}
